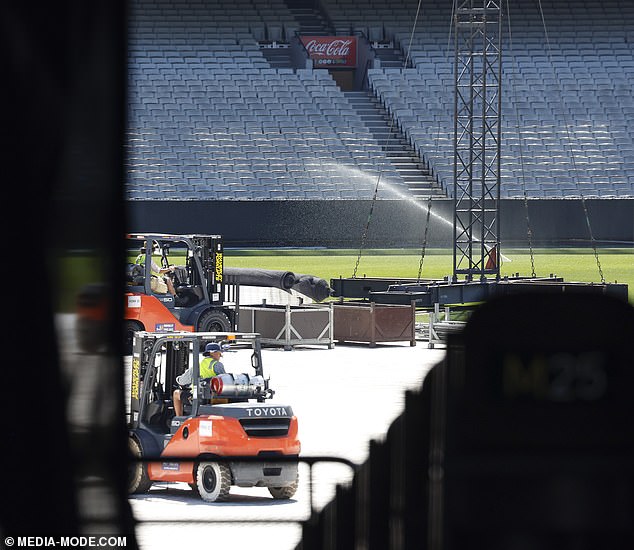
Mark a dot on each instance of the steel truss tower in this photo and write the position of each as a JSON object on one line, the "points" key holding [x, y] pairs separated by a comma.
{"points": [[477, 133], [477, 139]]}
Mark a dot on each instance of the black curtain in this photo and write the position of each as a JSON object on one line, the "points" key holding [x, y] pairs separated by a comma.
{"points": [[64, 437]]}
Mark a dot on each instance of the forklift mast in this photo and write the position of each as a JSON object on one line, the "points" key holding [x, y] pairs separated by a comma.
{"points": [[141, 353], [148, 384], [209, 250]]}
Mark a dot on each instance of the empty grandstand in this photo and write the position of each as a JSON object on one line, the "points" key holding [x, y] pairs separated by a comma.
{"points": [[567, 101], [210, 118], [226, 103]]}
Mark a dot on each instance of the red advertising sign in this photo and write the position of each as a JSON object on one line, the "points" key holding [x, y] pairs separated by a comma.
{"points": [[331, 52]]}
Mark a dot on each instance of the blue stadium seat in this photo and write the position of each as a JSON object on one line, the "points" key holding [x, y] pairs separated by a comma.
{"points": [[197, 65]]}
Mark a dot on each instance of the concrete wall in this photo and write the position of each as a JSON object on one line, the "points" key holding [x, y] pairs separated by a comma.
{"points": [[392, 223]]}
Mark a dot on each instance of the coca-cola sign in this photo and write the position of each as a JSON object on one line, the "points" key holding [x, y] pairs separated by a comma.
{"points": [[331, 51]]}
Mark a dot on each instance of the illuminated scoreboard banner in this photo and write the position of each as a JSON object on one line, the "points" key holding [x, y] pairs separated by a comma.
{"points": [[331, 52]]}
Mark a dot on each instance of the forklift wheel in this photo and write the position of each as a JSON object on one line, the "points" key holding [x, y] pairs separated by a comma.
{"points": [[283, 493], [138, 480], [213, 481], [129, 328], [214, 321]]}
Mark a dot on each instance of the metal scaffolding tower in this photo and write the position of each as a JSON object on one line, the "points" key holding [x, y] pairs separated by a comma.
{"points": [[477, 133]]}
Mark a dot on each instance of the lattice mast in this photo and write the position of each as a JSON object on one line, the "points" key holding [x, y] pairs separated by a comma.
{"points": [[477, 136]]}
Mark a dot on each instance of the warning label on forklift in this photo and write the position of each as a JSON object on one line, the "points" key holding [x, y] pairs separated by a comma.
{"points": [[136, 370], [134, 301], [205, 428], [218, 267]]}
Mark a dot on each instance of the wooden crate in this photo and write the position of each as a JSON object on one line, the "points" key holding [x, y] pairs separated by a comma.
{"points": [[374, 323]]}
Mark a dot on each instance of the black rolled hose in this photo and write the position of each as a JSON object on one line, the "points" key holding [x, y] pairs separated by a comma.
{"points": [[261, 277]]}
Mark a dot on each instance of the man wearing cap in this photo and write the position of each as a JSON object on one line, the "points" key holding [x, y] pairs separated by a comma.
{"points": [[209, 367]]}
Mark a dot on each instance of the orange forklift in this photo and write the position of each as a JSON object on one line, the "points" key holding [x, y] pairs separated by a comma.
{"points": [[183, 289], [229, 416]]}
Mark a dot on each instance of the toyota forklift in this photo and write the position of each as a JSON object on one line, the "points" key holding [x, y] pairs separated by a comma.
{"points": [[230, 415], [194, 264]]}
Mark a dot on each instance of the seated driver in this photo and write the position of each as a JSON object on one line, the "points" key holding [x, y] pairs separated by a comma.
{"points": [[209, 367], [160, 281]]}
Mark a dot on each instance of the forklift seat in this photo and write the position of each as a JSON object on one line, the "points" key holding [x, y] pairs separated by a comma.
{"points": [[157, 415], [188, 295], [135, 275]]}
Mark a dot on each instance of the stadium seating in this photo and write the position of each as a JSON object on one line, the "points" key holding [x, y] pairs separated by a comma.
{"points": [[209, 118], [565, 96]]}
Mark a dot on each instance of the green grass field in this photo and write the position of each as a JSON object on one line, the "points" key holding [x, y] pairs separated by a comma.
{"points": [[574, 264]]}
